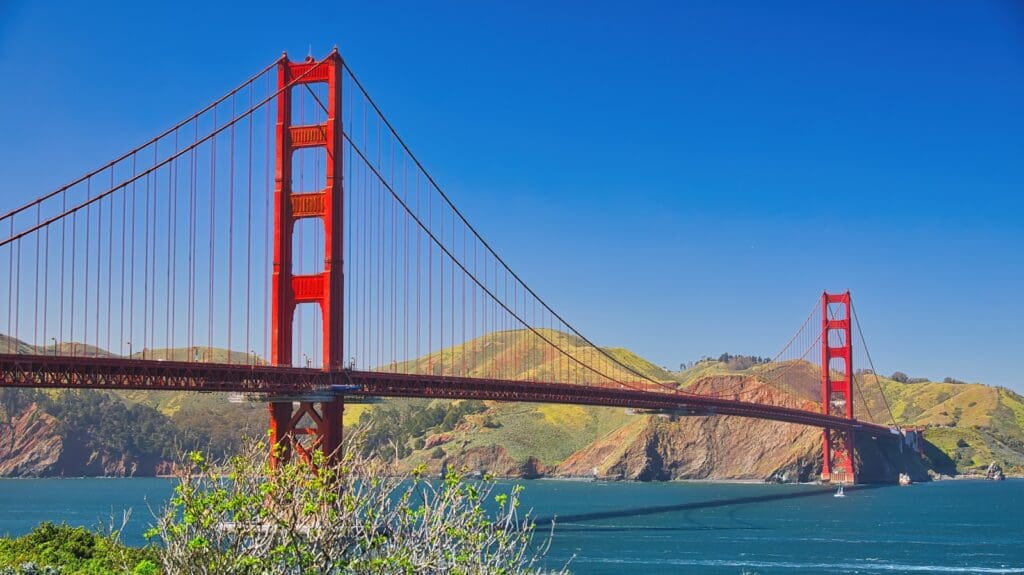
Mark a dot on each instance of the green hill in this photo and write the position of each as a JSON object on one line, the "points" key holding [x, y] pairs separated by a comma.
{"points": [[969, 425], [972, 424]]}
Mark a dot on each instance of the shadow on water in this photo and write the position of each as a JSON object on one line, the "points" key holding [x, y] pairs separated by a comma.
{"points": [[563, 520]]}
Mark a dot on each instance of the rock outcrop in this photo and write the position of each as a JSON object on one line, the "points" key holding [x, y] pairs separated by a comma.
{"points": [[720, 447], [994, 472], [494, 460], [30, 445]]}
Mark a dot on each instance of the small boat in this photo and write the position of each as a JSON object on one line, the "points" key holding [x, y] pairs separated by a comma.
{"points": [[839, 492]]}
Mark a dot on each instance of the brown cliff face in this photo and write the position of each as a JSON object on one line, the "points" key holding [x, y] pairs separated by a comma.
{"points": [[30, 445], [728, 447], [704, 448], [720, 447]]}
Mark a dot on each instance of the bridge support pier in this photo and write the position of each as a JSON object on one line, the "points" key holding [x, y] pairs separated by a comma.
{"points": [[837, 464], [314, 425], [837, 387]]}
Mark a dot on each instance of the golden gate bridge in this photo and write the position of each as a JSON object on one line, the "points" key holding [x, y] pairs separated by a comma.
{"points": [[284, 242]]}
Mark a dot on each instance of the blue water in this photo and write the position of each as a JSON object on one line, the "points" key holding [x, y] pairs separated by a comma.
{"points": [[945, 527]]}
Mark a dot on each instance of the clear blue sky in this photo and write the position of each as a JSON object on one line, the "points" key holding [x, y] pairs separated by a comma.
{"points": [[680, 178]]}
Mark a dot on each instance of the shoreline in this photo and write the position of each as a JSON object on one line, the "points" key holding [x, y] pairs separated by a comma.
{"points": [[963, 477]]}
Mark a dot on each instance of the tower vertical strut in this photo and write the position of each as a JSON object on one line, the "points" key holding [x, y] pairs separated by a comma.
{"points": [[326, 288], [837, 389]]}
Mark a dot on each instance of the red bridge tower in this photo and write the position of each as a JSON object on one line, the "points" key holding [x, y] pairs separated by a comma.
{"points": [[837, 388], [316, 424]]}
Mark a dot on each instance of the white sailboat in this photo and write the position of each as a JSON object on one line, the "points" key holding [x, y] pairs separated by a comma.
{"points": [[839, 492]]}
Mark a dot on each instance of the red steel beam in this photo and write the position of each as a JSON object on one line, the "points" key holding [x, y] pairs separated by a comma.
{"points": [[32, 371]]}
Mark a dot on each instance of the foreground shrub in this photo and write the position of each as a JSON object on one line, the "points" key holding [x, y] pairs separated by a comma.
{"points": [[242, 516], [52, 548]]}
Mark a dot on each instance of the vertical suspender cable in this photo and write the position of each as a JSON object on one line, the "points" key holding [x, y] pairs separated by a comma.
{"points": [[87, 246], [231, 229], [213, 237], [110, 262], [248, 241]]}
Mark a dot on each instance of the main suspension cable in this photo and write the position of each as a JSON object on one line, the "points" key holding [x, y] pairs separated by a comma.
{"points": [[465, 271], [142, 146], [156, 165], [487, 246], [892, 417]]}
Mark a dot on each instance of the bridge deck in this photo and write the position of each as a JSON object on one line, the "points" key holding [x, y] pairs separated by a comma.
{"points": [[32, 371]]}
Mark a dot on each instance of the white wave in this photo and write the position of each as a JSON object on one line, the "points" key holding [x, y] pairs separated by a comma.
{"points": [[831, 567]]}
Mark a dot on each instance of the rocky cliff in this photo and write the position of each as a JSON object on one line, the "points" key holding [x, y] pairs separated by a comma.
{"points": [[30, 445], [721, 447], [659, 447]]}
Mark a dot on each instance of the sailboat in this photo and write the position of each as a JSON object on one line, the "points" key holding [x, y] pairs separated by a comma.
{"points": [[839, 492]]}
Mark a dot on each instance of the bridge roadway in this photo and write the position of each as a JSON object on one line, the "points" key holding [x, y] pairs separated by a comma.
{"points": [[35, 371]]}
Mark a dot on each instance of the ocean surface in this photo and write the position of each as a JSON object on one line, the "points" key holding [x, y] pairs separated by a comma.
{"points": [[943, 527]]}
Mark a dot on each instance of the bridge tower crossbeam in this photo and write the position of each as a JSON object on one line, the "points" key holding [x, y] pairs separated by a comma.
{"points": [[290, 427]]}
